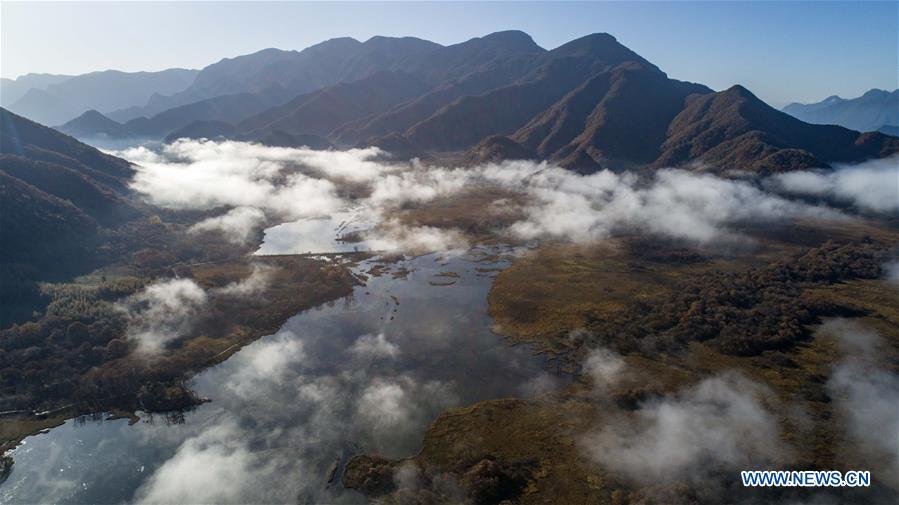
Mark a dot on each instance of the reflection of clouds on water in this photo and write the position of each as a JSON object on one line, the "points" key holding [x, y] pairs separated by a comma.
{"points": [[304, 236], [373, 347], [354, 231], [207, 468], [334, 381]]}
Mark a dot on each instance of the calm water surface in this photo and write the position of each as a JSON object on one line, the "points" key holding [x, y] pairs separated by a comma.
{"points": [[364, 374]]}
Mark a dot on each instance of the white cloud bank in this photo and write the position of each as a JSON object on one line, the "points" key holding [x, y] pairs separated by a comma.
{"points": [[206, 175], [165, 310], [865, 394], [718, 424], [871, 186], [287, 184], [237, 225], [162, 312]]}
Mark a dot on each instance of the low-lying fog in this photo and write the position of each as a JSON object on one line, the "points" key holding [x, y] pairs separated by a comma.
{"points": [[368, 374], [251, 183], [364, 374]]}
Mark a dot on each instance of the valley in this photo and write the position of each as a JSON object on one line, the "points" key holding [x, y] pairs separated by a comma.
{"points": [[402, 272]]}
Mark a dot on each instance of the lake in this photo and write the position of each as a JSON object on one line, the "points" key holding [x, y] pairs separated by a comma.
{"points": [[367, 373]]}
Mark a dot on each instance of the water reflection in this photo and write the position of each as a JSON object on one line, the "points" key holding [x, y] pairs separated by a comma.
{"points": [[367, 374], [339, 232]]}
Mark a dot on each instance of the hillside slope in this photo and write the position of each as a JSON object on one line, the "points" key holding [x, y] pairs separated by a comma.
{"points": [[56, 197]]}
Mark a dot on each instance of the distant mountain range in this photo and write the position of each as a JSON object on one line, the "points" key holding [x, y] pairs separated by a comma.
{"points": [[54, 99], [591, 103], [587, 105], [876, 110]]}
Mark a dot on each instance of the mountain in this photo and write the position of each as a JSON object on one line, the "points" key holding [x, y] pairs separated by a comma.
{"points": [[226, 108], [458, 61], [60, 100], [470, 68], [93, 124], [418, 79], [44, 107], [589, 104], [889, 129], [14, 89], [734, 130], [492, 84], [291, 72], [617, 118], [96, 183], [56, 197], [866, 113], [320, 112]]}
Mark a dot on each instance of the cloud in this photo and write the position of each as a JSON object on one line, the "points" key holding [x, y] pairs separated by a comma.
{"points": [[866, 399], [238, 225], [392, 409], [374, 347], [253, 284], [674, 203], [264, 363], [384, 405], [208, 468], [854, 339], [865, 395], [291, 184], [871, 186], [604, 367], [541, 384], [718, 424], [891, 271], [191, 174], [162, 312], [394, 236], [353, 164], [419, 185]]}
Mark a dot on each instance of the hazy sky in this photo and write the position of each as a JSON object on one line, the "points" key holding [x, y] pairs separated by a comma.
{"points": [[782, 51]]}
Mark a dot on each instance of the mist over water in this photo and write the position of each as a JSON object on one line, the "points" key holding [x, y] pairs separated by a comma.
{"points": [[357, 191], [369, 373], [363, 374]]}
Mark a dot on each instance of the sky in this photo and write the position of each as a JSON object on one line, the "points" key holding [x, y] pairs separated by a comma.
{"points": [[782, 51]]}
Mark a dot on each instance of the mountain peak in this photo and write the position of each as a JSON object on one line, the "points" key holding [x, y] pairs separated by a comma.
{"points": [[594, 41], [93, 114], [514, 40], [510, 36], [738, 90], [91, 124], [876, 93], [602, 47]]}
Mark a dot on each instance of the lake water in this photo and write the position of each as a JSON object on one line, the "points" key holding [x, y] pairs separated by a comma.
{"points": [[363, 374], [320, 235]]}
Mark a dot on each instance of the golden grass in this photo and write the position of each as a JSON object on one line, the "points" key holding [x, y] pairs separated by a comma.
{"points": [[548, 292]]}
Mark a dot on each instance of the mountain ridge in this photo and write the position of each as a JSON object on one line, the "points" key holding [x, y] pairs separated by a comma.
{"points": [[588, 104], [56, 101], [869, 112]]}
